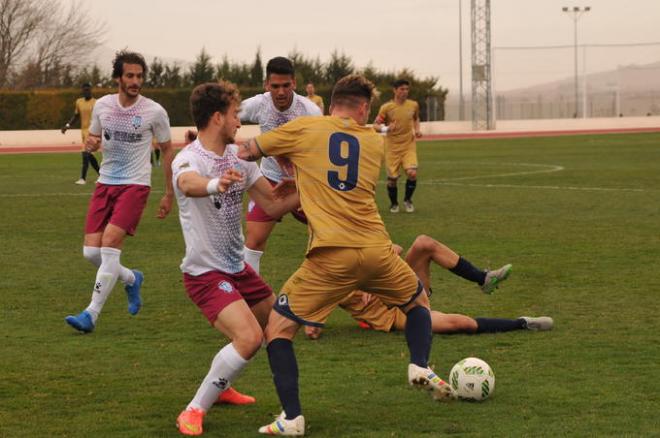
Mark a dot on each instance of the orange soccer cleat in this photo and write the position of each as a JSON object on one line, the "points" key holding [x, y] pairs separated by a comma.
{"points": [[232, 397], [190, 421]]}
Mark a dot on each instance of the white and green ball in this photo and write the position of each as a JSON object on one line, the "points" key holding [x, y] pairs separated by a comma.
{"points": [[472, 379]]}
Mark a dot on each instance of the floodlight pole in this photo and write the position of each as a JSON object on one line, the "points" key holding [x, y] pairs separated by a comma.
{"points": [[461, 102], [576, 13]]}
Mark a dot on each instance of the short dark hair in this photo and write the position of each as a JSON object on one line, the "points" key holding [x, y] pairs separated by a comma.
{"points": [[207, 99], [400, 82], [351, 89], [86, 85], [280, 66], [126, 57]]}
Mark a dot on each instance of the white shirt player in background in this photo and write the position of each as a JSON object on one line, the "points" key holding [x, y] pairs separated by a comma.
{"points": [[209, 182], [279, 105], [125, 124]]}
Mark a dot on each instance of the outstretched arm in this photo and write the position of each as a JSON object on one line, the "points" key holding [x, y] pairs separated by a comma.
{"points": [[268, 197], [193, 185], [165, 205], [71, 121]]}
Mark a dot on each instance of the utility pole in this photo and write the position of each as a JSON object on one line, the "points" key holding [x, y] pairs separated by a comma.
{"points": [[575, 13]]}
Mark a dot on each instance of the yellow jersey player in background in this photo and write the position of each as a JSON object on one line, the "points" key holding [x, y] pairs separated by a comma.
{"points": [[337, 161], [83, 110], [399, 119], [311, 95]]}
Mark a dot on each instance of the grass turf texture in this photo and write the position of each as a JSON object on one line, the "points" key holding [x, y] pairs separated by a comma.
{"points": [[583, 240]]}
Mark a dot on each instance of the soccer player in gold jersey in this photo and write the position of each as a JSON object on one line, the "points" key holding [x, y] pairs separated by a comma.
{"points": [[83, 111], [399, 120], [336, 161], [311, 95]]}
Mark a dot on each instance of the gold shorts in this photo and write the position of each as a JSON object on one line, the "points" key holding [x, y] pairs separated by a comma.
{"points": [[329, 274], [375, 313], [400, 155]]}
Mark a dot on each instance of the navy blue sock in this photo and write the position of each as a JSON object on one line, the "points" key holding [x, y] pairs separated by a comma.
{"points": [[468, 271], [393, 193], [284, 367], [419, 335], [410, 189], [495, 325]]}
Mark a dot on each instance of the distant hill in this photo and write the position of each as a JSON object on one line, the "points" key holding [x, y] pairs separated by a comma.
{"points": [[629, 79]]}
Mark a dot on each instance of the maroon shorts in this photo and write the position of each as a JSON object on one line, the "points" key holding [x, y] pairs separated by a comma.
{"points": [[213, 291], [256, 214], [119, 205]]}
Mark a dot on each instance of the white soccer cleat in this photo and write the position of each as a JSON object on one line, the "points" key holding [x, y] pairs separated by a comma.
{"points": [[408, 205], [394, 208], [425, 378], [540, 323], [282, 426], [80, 182], [494, 278]]}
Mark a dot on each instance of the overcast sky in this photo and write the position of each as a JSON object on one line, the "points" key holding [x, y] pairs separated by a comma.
{"points": [[419, 34]]}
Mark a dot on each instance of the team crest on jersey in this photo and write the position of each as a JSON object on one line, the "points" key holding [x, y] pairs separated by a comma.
{"points": [[225, 286], [137, 122]]}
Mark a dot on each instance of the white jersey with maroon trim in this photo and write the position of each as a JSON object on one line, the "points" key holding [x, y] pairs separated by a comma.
{"points": [[261, 109], [212, 225], [126, 135]]}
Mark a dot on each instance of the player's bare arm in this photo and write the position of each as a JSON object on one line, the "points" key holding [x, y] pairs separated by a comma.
{"points": [[418, 128], [165, 205], [249, 151], [263, 194], [93, 143], [194, 185]]}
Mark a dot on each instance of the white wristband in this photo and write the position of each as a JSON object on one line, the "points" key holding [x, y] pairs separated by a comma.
{"points": [[68, 125], [384, 129], [212, 186]]}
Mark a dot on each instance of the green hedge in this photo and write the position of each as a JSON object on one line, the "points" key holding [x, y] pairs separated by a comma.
{"points": [[51, 109]]}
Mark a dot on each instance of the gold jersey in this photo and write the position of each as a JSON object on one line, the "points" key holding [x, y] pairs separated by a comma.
{"points": [[318, 100], [84, 111], [337, 164], [403, 116]]}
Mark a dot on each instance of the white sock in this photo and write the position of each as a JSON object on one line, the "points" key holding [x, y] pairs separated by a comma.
{"points": [[225, 368], [93, 255], [106, 277], [252, 257]]}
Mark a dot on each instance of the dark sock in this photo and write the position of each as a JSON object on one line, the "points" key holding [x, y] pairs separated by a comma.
{"points": [[419, 335], [85, 165], [392, 192], [284, 367], [93, 162], [468, 271], [157, 152], [495, 325], [410, 189]]}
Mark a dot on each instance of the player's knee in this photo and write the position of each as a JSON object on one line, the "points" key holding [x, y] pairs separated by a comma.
{"points": [[249, 341], [391, 182], [412, 174], [93, 255], [423, 243]]}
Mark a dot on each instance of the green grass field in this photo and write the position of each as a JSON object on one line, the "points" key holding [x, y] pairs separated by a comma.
{"points": [[579, 218]]}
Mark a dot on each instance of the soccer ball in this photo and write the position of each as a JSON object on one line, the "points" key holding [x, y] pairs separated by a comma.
{"points": [[472, 379]]}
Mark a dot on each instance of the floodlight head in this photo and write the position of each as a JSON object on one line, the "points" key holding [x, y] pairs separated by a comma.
{"points": [[587, 8], [565, 9], [576, 9]]}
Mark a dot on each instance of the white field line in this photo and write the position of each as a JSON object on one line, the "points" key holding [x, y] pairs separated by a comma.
{"points": [[541, 168]]}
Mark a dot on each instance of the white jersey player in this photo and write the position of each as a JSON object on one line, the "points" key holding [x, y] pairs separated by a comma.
{"points": [[125, 123], [279, 105], [209, 182], [262, 110]]}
